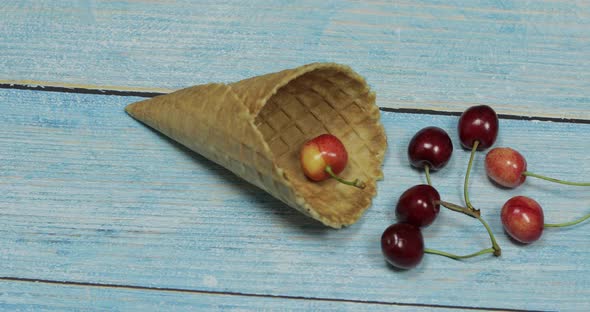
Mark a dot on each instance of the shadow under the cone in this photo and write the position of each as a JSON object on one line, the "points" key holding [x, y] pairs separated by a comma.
{"points": [[285, 215]]}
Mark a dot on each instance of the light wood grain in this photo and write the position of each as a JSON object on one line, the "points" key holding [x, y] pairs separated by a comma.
{"points": [[522, 57], [27, 296], [90, 195]]}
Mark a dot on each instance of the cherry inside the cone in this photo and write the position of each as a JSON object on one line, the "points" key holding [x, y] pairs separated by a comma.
{"points": [[319, 153]]}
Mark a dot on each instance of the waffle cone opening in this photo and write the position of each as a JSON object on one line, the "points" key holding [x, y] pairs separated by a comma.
{"points": [[326, 100]]}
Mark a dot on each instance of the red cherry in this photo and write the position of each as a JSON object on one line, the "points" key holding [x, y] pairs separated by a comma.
{"points": [[478, 123], [506, 166], [320, 152], [418, 205], [523, 219], [402, 245], [430, 147]]}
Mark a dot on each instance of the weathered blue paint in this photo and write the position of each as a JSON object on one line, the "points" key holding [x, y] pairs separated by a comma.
{"points": [[19, 296], [91, 195], [523, 57]]}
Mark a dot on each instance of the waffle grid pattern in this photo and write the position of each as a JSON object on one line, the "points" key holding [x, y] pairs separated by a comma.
{"points": [[311, 105]]}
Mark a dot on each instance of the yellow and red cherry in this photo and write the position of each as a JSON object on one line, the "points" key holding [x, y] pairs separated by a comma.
{"points": [[506, 166], [325, 157], [522, 218], [402, 245], [478, 124], [418, 205], [432, 147]]}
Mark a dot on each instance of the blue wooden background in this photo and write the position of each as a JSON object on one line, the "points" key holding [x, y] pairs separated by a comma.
{"points": [[98, 212]]}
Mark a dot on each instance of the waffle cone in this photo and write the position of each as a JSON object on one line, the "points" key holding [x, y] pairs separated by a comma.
{"points": [[256, 127]]}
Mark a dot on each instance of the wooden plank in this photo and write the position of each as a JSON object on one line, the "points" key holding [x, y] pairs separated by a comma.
{"points": [[19, 296], [522, 57], [90, 195]]}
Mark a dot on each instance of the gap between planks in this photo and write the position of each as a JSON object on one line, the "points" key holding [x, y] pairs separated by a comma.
{"points": [[240, 294], [34, 85]]}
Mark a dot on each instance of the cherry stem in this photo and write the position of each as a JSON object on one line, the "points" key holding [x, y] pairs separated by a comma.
{"points": [[456, 257], [530, 174], [461, 209], [355, 183], [466, 184], [475, 213], [495, 246], [582, 219], [427, 171]]}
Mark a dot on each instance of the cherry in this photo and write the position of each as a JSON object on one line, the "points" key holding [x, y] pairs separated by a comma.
{"points": [[430, 147], [478, 129], [320, 152], [402, 245], [418, 205], [506, 166], [325, 157], [478, 124], [522, 218]]}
